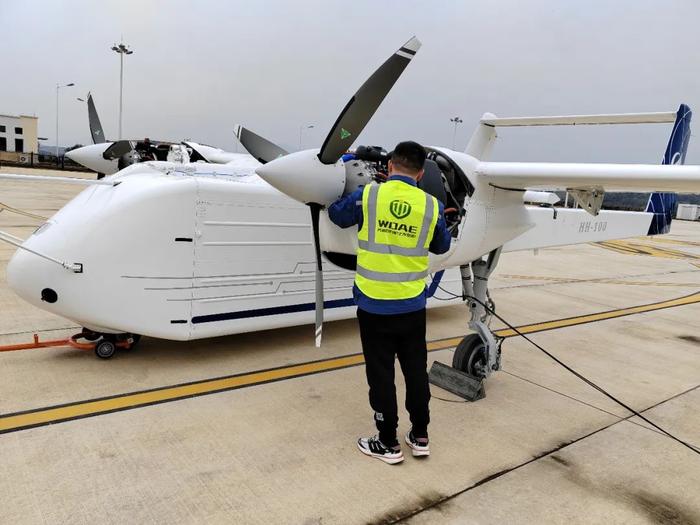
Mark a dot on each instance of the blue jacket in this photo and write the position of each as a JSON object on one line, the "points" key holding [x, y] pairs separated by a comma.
{"points": [[347, 211]]}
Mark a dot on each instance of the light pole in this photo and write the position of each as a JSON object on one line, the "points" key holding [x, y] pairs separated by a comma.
{"points": [[456, 121], [301, 129], [122, 49], [59, 86]]}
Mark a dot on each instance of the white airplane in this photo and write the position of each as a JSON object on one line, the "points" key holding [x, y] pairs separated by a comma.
{"points": [[188, 251], [108, 157]]}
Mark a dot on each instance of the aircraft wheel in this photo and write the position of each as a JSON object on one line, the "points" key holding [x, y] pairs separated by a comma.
{"points": [[470, 356], [105, 349]]}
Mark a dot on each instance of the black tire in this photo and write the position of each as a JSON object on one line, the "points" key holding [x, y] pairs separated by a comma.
{"points": [[105, 349], [470, 356]]}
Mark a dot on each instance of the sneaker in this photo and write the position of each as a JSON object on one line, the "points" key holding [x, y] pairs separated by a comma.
{"points": [[419, 446], [374, 448]]}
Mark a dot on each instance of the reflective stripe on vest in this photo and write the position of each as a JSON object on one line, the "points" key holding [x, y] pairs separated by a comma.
{"points": [[410, 263], [391, 277]]}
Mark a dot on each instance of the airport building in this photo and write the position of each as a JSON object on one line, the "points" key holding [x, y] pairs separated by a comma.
{"points": [[19, 134]]}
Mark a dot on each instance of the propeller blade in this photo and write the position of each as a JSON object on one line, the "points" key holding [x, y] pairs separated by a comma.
{"points": [[118, 149], [98, 134], [259, 147], [315, 215], [362, 106]]}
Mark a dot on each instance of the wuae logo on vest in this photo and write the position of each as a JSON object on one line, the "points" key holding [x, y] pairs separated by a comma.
{"points": [[400, 209]]}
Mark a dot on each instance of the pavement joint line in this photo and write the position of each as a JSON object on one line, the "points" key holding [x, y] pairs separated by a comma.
{"points": [[547, 453], [44, 416], [591, 405]]}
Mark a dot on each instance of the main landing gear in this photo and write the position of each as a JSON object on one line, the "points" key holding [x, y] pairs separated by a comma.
{"points": [[104, 345], [478, 354]]}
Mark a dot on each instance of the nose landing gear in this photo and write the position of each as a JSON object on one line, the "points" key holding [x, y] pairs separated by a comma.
{"points": [[478, 354], [104, 345]]}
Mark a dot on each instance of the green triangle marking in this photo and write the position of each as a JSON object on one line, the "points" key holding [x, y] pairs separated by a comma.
{"points": [[344, 133]]}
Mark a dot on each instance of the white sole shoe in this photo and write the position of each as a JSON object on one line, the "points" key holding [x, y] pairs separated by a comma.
{"points": [[391, 459], [417, 450]]}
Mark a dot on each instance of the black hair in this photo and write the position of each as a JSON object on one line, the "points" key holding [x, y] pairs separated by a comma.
{"points": [[408, 155]]}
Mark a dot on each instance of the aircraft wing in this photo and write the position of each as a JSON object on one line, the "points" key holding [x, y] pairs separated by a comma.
{"points": [[570, 226], [610, 177]]}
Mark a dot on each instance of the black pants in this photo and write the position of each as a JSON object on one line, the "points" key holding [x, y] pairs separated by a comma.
{"points": [[383, 338]]}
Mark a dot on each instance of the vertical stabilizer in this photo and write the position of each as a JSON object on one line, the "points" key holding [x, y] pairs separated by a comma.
{"points": [[663, 205], [481, 142]]}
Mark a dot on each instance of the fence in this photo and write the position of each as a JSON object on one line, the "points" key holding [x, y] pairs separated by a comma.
{"points": [[37, 160]]}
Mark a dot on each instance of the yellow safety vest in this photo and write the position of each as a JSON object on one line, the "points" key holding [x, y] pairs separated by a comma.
{"points": [[398, 221]]}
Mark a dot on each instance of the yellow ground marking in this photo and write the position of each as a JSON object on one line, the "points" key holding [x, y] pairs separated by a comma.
{"points": [[642, 283], [667, 240], [88, 408], [602, 280], [601, 316], [635, 248], [540, 278]]}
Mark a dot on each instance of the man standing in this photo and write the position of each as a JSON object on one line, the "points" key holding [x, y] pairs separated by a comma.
{"points": [[398, 224]]}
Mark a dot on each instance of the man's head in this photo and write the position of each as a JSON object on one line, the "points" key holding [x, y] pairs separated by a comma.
{"points": [[407, 159]]}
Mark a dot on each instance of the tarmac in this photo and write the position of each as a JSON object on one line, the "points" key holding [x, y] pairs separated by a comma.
{"points": [[261, 427]]}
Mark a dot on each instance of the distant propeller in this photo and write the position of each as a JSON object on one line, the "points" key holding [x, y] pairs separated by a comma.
{"points": [[98, 134], [116, 150], [303, 178], [259, 147]]}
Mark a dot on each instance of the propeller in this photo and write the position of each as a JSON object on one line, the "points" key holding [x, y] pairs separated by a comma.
{"points": [[318, 179], [117, 149], [315, 216], [259, 147], [362, 106]]}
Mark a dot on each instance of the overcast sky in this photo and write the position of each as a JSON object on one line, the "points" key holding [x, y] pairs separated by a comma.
{"points": [[199, 68]]}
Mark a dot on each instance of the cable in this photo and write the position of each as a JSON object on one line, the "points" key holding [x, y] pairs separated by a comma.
{"points": [[620, 418], [659, 430], [568, 368], [433, 396], [584, 379], [453, 295], [21, 212], [554, 391]]}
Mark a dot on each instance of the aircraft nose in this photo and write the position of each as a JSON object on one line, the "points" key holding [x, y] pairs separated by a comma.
{"points": [[36, 278], [24, 276]]}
